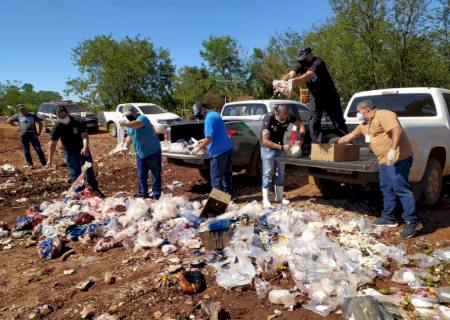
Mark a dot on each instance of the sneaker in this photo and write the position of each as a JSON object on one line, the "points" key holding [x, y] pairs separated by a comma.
{"points": [[385, 223], [410, 230]]}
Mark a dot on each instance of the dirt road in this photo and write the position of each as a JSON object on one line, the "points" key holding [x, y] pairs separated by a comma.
{"points": [[141, 291]]}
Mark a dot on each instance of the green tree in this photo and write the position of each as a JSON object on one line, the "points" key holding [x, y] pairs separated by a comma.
{"points": [[226, 64], [190, 85], [113, 72]]}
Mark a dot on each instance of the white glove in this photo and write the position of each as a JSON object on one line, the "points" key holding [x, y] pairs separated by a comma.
{"points": [[392, 155], [123, 123]]}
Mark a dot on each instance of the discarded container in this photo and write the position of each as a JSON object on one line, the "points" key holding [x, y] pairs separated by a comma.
{"points": [[283, 297], [191, 281], [334, 152], [214, 239], [216, 204], [364, 308]]}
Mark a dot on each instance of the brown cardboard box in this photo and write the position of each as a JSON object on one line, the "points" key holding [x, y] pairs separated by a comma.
{"points": [[334, 152], [216, 204], [214, 239]]}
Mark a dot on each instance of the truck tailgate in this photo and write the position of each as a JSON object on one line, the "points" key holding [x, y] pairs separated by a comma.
{"points": [[367, 163]]}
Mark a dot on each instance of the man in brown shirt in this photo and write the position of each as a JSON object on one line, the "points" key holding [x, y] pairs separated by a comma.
{"points": [[390, 145]]}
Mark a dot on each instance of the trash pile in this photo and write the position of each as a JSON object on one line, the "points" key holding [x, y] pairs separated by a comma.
{"points": [[329, 259], [7, 170]]}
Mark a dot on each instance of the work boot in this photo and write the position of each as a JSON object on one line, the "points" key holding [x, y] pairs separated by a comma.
{"points": [[410, 229], [266, 201], [385, 223], [279, 195]]}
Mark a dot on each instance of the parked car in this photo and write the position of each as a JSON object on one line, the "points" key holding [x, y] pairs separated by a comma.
{"points": [[257, 109], [46, 112], [159, 118], [425, 117]]}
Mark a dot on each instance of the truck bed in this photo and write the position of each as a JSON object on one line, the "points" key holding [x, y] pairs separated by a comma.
{"points": [[367, 163]]}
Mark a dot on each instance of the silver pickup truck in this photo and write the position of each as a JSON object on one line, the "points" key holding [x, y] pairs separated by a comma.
{"points": [[425, 116]]}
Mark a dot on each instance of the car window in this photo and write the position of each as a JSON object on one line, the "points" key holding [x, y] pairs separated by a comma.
{"points": [[152, 109], [73, 108], [403, 104], [447, 101], [245, 109], [302, 112]]}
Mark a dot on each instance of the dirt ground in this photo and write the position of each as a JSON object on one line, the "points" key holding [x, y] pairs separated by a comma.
{"points": [[141, 289]]}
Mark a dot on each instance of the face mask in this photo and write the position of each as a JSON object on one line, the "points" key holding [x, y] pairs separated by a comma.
{"points": [[359, 116], [64, 120], [131, 117]]}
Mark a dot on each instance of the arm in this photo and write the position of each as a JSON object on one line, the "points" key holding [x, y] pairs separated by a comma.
{"points": [[289, 75], [128, 141], [135, 124], [204, 142], [304, 77], [268, 143], [396, 134], [51, 151], [85, 150], [12, 120], [351, 136]]}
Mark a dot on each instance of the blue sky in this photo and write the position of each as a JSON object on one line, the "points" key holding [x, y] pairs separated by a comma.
{"points": [[37, 36]]}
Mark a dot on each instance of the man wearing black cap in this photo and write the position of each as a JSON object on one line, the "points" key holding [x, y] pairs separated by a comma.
{"points": [[75, 142], [28, 133], [323, 95]]}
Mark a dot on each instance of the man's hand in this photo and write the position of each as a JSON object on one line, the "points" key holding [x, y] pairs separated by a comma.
{"points": [[286, 147], [334, 140], [392, 155], [84, 152]]}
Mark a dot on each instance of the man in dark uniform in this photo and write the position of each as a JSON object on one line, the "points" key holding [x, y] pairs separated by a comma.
{"points": [[75, 142], [323, 96]]}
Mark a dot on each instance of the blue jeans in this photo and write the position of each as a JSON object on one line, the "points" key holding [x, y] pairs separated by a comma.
{"points": [[74, 161], [394, 185], [220, 169], [271, 168], [33, 139], [152, 163]]}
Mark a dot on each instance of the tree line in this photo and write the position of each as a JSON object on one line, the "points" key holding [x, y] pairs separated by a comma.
{"points": [[367, 44]]}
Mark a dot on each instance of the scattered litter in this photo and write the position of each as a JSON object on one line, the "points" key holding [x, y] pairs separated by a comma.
{"points": [[22, 200], [283, 297], [175, 184], [85, 285], [191, 281], [7, 169]]}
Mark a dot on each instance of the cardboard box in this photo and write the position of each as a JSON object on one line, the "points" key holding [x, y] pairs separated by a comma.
{"points": [[334, 152], [216, 204], [214, 239]]}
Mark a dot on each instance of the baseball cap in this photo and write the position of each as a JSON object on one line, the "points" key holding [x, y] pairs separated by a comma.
{"points": [[302, 53]]}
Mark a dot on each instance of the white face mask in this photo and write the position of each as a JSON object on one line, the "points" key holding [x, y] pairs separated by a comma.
{"points": [[64, 120], [359, 116]]}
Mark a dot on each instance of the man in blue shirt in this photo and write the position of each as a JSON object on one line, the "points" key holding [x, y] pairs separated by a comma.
{"points": [[220, 149], [147, 148]]}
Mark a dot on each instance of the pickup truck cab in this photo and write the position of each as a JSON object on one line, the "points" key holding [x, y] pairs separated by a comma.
{"points": [[159, 118], [425, 117], [257, 109]]}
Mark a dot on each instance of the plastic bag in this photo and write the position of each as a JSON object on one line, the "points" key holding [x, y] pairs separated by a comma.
{"points": [[365, 308], [237, 271], [442, 254], [283, 297], [165, 208], [406, 276], [121, 145], [424, 261], [51, 247], [137, 208], [262, 288]]}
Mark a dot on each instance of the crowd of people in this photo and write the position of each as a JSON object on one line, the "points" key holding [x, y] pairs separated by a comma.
{"points": [[381, 130]]}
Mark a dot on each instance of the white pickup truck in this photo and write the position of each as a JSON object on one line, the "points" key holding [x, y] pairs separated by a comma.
{"points": [[159, 118], [425, 116]]}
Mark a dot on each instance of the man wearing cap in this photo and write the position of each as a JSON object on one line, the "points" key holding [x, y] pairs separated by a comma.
{"points": [[390, 144], [75, 142], [148, 150], [28, 133], [323, 95], [219, 146]]}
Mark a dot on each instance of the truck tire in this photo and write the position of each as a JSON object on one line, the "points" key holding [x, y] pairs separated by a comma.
{"points": [[328, 188], [204, 173], [432, 183], [112, 129]]}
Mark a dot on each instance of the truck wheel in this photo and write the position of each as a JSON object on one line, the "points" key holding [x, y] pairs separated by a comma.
{"points": [[432, 183], [328, 188], [205, 174], [112, 129]]}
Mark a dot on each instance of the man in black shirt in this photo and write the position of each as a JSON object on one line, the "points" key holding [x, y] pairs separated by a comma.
{"points": [[323, 95], [28, 133], [75, 142], [275, 125]]}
